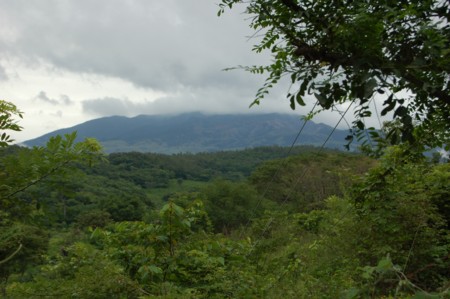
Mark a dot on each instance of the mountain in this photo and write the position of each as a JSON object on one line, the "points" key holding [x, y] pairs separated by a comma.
{"points": [[196, 132]]}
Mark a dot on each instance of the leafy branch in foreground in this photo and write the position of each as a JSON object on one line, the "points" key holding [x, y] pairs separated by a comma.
{"points": [[27, 167], [7, 112], [31, 166], [361, 51]]}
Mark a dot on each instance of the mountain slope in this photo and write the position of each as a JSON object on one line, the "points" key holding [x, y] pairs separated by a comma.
{"points": [[196, 132]]}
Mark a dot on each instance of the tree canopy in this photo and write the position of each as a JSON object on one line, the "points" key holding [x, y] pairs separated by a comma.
{"points": [[147, 225], [358, 51]]}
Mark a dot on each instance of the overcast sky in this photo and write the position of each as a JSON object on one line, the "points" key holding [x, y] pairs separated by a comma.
{"points": [[63, 62]]}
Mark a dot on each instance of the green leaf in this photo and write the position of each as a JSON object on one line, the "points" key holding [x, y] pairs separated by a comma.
{"points": [[385, 264], [221, 260], [360, 125], [390, 105], [292, 102], [369, 87], [155, 270], [367, 272], [351, 293], [425, 295], [322, 100], [401, 111], [162, 238], [299, 99]]}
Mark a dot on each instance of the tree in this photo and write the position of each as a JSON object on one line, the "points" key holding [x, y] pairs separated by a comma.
{"points": [[7, 122], [353, 51], [20, 169], [29, 167], [21, 245], [403, 212], [231, 205]]}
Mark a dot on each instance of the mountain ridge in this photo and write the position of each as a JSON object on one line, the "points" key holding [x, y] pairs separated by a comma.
{"points": [[197, 132]]}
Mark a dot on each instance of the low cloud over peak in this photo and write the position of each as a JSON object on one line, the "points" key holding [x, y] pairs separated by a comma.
{"points": [[62, 100]]}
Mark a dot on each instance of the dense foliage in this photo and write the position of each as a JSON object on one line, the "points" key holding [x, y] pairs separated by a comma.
{"points": [[359, 52], [243, 224], [255, 223]]}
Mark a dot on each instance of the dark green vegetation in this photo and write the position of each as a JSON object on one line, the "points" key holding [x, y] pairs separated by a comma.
{"points": [[252, 224], [196, 132], [359, 52], [237, 224]]}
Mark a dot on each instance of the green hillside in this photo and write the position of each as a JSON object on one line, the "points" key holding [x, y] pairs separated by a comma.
{"points": [[253, 223], [196, 132]]}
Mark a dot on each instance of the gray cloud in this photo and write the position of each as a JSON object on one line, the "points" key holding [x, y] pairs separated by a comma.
{"points": [[205, 100], [164, 45], [42, 96], [167, 105], [63, 99], [3, 75], [179, 47], [109, 106]]}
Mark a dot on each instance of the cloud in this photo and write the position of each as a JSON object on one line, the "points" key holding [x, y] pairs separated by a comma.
{"points": [[109, 106], [206, 100], [163, 45], [63, 99], [58, 114], [42, 96], [3, 75], [129, 58], [166, 105]]}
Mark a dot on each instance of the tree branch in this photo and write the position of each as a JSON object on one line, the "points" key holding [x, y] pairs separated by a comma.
{"points": [[12, 255], [34, 182], [292, 5]]}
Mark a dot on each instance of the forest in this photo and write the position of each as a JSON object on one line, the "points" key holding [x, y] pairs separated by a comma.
{"points": [[266, 222]]}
